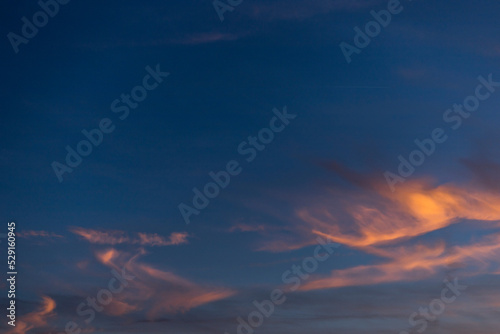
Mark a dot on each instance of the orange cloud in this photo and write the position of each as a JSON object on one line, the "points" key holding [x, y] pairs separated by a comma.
{"points": [[414, 263], [157, 291], [107, 256], [415, 209], [35, 319], [99, 237], [118, 308], [121, 237], [379, 222]]}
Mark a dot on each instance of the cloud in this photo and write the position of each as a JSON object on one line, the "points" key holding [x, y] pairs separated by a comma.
{"points": [[156, 291], [278, 238], [385, 224], [248, 228], [37, 234], [121, 237], [414, 263], [156, 240], [101, 237], [35, 319], [382, 216]]}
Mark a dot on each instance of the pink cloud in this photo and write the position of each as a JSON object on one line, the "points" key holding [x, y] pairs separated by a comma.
{"points": [[157, 291], [121, 237], [35, 319]]}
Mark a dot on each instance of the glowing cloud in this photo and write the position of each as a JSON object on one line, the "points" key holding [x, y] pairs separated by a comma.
{"points": [[378, 221], [415, 263], [121, 237], [415, 209], [35, 319], [157, 291]]}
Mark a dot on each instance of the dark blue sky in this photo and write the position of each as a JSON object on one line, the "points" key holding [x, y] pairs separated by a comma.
{"points": [[322, 176]]}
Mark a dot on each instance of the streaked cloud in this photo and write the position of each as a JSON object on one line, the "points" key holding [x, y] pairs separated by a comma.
{"points": [[36, 319], [415, 209], [157, 291], [122, 237], [415, 263], [375, 221]]}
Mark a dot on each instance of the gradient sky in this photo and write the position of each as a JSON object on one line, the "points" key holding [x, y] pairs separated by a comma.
{"points": [[323, 176]]}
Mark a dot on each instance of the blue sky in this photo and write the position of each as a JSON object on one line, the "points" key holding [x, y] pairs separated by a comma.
{"points": [[322, 176]]}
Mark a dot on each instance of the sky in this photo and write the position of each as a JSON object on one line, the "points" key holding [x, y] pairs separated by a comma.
{"points": [[254, 166]]}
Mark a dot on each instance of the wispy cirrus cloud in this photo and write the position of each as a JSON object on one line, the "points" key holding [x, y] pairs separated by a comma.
{"points": [[157, 292], [114, 237], [371, 215], [36, 319], [415, 263], [286, 241], [376, 221], [417, 208], [153, 239]]}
